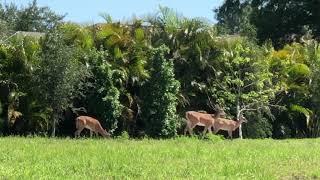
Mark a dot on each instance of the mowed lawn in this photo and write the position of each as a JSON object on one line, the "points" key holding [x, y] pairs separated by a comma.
{"points": [[180, 158]]}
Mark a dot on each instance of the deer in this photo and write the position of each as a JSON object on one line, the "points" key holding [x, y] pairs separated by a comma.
{"points": [[228, 124], [90, 123], [195, 118]]}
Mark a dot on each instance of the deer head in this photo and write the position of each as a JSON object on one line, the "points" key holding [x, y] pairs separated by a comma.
{"points": [[242, 119], [219, 112]]}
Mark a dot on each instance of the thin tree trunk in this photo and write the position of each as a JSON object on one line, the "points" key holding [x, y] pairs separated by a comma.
{"points": [[53, 133], [238, 111], [238, 118], [54, 124]]}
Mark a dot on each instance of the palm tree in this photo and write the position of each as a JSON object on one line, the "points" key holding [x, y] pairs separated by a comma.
{"points": [[192, 48]]}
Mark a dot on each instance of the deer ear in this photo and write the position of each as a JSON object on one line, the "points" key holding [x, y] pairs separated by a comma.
{"points": [[243, 118]]}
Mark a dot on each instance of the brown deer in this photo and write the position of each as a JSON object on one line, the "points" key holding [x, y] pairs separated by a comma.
{"points": [[227, 124], [195, 118], [91, 124]]}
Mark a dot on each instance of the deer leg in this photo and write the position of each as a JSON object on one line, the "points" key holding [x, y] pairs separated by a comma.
{"points": [[212, 129], [90, 134], [230, 134], [191, 128], [78, 131], [216, 130], [186, 129], [205, 130], [190, 131], [209, 129]]}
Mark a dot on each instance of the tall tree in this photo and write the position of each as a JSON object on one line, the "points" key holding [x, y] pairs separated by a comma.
{"points": [[241, 78], [30, 18], [234, 17], [102, 97], [159, 106], [58, 76], [127, 55], [192, 48], [9, 14], [281, 21]]}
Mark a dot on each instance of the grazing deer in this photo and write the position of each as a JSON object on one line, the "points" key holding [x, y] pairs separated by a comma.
{"points": [[227, 124], [201, 119], [91, 124]]}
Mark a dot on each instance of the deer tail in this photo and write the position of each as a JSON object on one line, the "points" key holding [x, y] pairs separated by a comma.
{"points": [[77, 122], [187, 117]]}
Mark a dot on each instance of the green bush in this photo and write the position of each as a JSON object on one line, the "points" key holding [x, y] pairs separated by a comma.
{"points": [[124, 136], [160, 97], [102, 96], [213, 138]]}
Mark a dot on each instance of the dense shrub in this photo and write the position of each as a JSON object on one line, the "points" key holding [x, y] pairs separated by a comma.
{"points": [[160, 97]]}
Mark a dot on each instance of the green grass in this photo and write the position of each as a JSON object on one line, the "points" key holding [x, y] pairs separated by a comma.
{"points": [[45, 158]]}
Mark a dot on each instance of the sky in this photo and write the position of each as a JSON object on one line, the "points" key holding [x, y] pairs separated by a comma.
{"points": [[87, 11]]}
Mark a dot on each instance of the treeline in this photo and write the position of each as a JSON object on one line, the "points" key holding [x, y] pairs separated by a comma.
{"points": [[142, 76]]}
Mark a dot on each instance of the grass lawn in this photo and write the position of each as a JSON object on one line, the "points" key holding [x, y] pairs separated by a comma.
{"points": [[180, 158]]}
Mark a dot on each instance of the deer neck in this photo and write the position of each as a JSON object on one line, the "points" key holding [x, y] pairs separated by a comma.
{"points": [[238, 123], [216, 115], [104, 133]]}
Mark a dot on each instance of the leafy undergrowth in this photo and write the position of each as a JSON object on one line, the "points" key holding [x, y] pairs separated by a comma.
{"points": [[183, 157]]}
